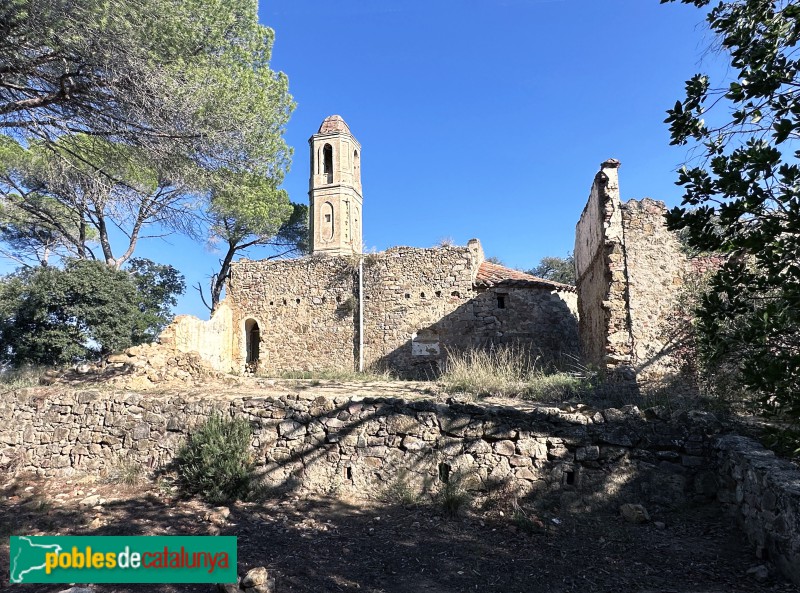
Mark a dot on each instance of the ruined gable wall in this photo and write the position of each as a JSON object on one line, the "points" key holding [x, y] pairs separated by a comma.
{"points": [[210, 339], [600, 268], [408, 291], [420, 303], [655, 269], [304, 308]]}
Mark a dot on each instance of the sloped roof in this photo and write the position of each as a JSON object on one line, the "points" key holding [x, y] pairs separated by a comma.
{"points": [[490, 274]]}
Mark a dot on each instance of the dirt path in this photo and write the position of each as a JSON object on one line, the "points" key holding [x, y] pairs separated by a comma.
{"points": [[325, 544]]}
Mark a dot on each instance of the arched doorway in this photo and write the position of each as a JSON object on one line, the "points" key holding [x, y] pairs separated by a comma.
{"points": [[252, 335]]}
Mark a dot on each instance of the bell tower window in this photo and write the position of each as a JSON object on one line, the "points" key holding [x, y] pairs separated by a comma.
{"points": [[327, 163]]}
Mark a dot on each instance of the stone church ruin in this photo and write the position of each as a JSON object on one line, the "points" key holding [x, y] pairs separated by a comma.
{"points": [[405, 308]]}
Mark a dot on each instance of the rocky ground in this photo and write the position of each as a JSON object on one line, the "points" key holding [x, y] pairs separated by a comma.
{"points": [[327, 544]]}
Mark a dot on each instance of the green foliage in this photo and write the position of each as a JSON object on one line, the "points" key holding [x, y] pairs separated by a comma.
{"points": [[215, 462], [55, 316], [62, 197], [189, 77], [52, 316], [126, 114], [158, 286], [19, 377], [557, 269], [743, 200], [246, 211]]}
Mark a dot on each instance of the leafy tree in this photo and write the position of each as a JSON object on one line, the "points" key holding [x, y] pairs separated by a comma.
{"points": [[158, 286], [246, 211], [743, 198], [87, 309], [131, 113], [54, 316], [188, 77], [65, 197], [557, 269]]}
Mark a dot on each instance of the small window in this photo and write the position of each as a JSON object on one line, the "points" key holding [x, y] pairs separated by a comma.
{"points": [[327, 218], [501, 301], [327, 163]]}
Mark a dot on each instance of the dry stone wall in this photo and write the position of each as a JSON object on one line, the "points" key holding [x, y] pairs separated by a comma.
{"points": [[367, 446], [763, 492], [584, 458]]}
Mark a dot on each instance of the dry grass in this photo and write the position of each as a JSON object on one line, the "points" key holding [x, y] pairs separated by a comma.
{"points": [[510, 371], [12, 378], [342, 376]]}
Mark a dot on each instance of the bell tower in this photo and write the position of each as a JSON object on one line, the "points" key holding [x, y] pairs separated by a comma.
{"points": [[334, 189]]}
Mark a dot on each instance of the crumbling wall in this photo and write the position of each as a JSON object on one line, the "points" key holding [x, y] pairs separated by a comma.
{"points": [[601, 275], [656, 267], [418, 303], [211, 340], [304, 308], [630, 276]]}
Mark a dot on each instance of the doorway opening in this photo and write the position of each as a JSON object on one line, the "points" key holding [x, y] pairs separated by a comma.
{"points": [[252, 343]]}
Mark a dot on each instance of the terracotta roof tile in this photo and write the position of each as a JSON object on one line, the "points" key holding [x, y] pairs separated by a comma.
{"points": [[333, 123], [490, 274]]}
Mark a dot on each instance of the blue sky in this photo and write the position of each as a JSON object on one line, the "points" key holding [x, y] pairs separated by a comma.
{"points": [[480, 118]]}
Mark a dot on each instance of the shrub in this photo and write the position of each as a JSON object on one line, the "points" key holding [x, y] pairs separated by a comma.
{"points": [[215, 463], [453, 497]]}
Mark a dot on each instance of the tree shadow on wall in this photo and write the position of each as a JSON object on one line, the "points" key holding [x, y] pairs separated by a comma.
{"points": [[323, 543], [500, 316]]}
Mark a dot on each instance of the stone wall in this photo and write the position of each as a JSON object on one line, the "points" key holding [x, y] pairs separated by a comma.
{"points": [[630, 274], [210, 339], [656, 266], [363, 446], [601, 275], [763, 492], [411, 296], [418, 303], [304, 308]]}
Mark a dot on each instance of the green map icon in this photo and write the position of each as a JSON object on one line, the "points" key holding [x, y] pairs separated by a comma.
{"points": [[28, 557]]}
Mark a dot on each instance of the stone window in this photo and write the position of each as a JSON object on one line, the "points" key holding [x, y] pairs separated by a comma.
{"points": [[327, 163], [501, 301], [326, 232], [356, 166]]}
